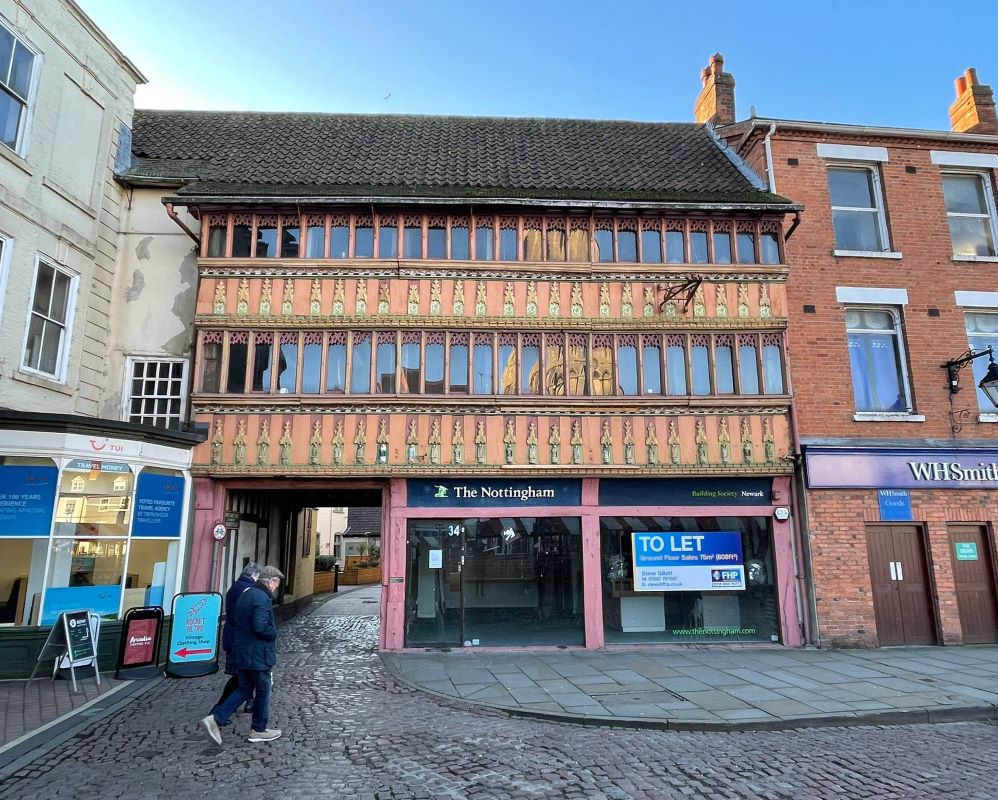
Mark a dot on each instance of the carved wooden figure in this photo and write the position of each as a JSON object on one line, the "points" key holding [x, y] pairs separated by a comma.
{"points": [[285, 443]]}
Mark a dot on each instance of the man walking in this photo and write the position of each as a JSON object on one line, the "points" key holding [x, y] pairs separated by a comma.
{"points": [[249, 576], [254, 655]]}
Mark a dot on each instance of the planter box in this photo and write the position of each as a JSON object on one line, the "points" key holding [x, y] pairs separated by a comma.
{"points": [[323, 582], [355, 576]]}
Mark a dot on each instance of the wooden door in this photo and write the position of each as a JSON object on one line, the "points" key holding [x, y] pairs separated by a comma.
{"points": [[973, 576], [902, 600]]}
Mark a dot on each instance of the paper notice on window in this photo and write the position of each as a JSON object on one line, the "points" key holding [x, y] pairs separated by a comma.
{"points": [[436, 559]]}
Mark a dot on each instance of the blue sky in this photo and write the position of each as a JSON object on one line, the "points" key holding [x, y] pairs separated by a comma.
{"points": [[872, 62]]}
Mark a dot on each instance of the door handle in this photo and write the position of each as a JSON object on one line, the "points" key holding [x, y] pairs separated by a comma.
{"points": [[900, 571], [894, 573]]}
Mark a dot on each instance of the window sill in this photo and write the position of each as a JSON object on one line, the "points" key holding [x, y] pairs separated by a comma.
{"points": [[866, 254], [42, 382], [987, 416], [972, 259], [887, 416], [15, 159]]}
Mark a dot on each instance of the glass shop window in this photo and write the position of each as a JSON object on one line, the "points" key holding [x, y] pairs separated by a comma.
{"points": [[94, 499]]}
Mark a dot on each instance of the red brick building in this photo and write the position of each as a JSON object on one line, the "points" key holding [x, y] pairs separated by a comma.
{"points": [[895, 275]]}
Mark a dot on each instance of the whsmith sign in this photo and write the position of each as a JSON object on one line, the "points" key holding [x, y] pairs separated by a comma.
{"points": [[455, 494], [870, 468]]}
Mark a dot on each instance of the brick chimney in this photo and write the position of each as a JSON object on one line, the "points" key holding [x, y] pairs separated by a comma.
{"points": [[716, 103], [973, 111]]}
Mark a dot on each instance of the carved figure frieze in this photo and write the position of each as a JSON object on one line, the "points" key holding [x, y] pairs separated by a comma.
{"points": [[508, 300], [606, 442], [480, 305], [218, 305], [703, 458], [509, 440], [315, 444], [649, 301], [746, 433], [434, 441], [577, 307], [360, 442], [263, 442], [338, 443], [411, 444], [721, 300], [239, 444], [743, 307], [216, 443], [458, 306], [288, 297], [532, 298], [576, 441], [768, 441], [384, 298], [480, 442], [675, 449], [651, 443], [554, 442], [626, 301], [339, 298], [724, 440], [628, 442], [604, 299], [266, 297], [532, 442], [360, 305], [315, 298], [285, 445], [381, 441], [412, 301], [554, 304], [435, 303], [765, 305], [699, 302], [457, 443], [242, 298]]}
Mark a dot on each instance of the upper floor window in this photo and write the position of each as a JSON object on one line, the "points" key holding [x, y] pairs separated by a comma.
{"points": [[489, 237], [16, 66], [46, 340], [982, 333], [155, 392], [970, 212], [876, 359], [857, 209]]}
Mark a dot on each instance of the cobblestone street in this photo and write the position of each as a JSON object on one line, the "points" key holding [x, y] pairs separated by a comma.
{"points": [[349, 733]]}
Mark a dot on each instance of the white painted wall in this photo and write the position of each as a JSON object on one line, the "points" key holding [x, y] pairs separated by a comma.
{"points": [[58, 198]]}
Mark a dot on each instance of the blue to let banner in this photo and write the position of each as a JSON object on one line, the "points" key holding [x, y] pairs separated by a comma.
{"points": [[27, 497], [669, 561]]}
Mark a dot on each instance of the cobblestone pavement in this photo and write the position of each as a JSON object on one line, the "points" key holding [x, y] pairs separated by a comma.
{"points": [[349, 733]]}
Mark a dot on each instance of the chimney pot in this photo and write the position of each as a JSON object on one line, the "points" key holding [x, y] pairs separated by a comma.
{"points": [[973, 111], [716, 103]]}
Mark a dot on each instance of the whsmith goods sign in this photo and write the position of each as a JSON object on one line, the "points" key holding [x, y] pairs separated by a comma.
{"points": [[456, 494], [923, 468]]}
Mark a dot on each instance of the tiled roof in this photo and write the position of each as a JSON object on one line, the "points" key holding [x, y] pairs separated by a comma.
{"points": [[242, 154]]}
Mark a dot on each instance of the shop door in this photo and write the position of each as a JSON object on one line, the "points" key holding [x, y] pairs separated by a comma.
{"points": [[433, 586], [902, 602], [973, 576]]}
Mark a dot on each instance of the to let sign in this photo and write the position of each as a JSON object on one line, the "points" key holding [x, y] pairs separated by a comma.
{"points": [[666, 561]]}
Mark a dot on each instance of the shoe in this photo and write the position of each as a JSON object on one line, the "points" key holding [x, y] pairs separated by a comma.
{"points": [[212, 729], [264, 736], [248, 707]]}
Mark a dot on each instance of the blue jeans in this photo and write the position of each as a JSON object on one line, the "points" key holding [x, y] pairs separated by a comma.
{"points": [[252, 682]]}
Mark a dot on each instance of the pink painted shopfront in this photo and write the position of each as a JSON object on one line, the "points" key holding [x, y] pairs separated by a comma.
{"points": [[589, 562]]}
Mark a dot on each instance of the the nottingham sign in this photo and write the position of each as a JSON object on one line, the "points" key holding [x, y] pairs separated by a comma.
{"points": [[872, 468], [455, 494]]}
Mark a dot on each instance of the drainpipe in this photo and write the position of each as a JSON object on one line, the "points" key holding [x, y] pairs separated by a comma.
{"points": [[770, 173], [173, 215]]}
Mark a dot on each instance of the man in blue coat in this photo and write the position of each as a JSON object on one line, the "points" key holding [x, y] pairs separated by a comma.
{"points": [[254, 655], [249, 576]]}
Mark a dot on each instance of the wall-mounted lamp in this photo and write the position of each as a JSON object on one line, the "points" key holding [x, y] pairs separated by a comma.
{"points": [[988, 384]]}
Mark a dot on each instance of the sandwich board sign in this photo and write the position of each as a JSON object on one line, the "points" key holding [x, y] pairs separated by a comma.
{"points": [[138, 650], [194, 635], [72, 642]]}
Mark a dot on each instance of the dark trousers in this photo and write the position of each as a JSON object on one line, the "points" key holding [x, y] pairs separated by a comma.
{"points": [[251, 682]]}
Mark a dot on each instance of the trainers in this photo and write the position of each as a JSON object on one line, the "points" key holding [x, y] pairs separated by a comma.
{"points": [[212, 729], [264, 736]]}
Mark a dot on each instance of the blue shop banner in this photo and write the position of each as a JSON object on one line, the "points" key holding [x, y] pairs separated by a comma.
{"points": [[27, 498], [446, 493], [159, 505], [678, 561], [102, 600], [895, 505], [686, 492], [901, 468]]}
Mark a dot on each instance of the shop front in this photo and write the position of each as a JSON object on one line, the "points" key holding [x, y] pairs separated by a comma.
{"points": [[590, 562], [92, 522], [902, 539]]}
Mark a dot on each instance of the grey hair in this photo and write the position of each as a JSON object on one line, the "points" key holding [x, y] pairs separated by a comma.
{"points": [[251, 570]]}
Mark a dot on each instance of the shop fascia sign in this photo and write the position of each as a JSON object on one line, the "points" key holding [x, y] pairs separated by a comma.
{"points": [[430, 493], [829, 468]]}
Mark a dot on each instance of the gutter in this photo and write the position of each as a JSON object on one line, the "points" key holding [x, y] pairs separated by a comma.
{"points": [[865, 130], [173, 215], [767, 146], [270, 200]]}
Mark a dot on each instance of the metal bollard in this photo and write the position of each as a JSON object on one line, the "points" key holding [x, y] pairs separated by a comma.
{"points": [[336, 577]]}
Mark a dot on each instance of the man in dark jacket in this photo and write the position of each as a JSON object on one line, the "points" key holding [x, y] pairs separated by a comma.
{"points": [[254, 655], [248, 577]]}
